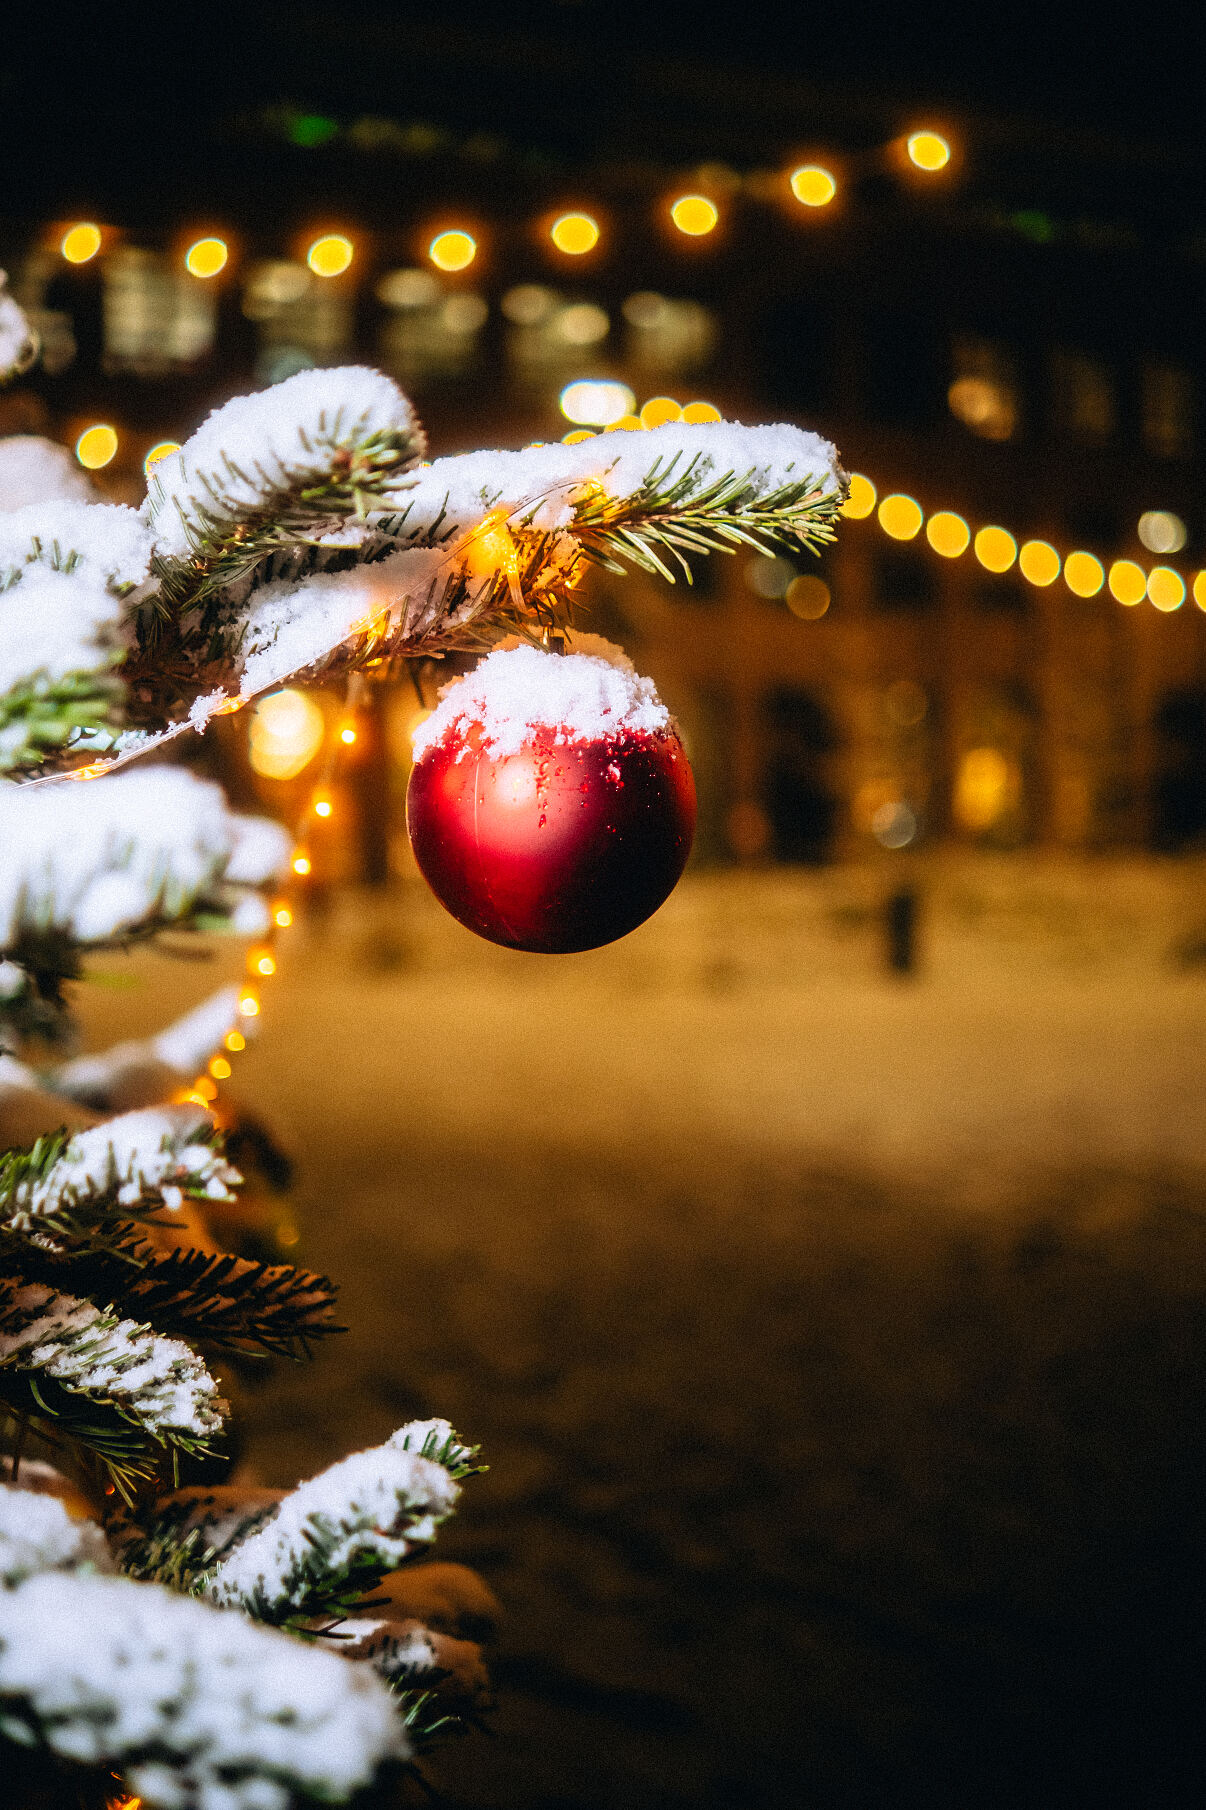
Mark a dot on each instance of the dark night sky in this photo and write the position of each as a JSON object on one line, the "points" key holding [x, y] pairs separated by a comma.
{"points": [[134, 92]]}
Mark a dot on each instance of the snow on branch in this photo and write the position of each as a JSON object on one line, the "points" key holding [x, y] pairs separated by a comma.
{"points": [[126, 855], [288, 462], [38, 1534], [199, 1709], [108, 542], [36, 470], [157, 1385], [336, 1536], [481, 536]]}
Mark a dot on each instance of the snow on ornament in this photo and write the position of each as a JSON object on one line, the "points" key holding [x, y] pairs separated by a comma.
{"points": [[551, 805]]}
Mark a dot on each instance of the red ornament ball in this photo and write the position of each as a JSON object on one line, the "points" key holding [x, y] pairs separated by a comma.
{"points": [[561, 843]]}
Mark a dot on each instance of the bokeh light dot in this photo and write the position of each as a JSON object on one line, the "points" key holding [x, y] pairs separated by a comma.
{"points": [[330, 255], [1039, 562], [900, 516], [813, 185], [698, 414], [1199, 590], [861, 500], [1128, 582], [928, 150], [948, 533], [157, 452], [659, 410], [996, 549], [808, 597], [575, 234], [1083, 574], [207, 257], [694, 215], [1165, 588], [96, 446], [452, 250], [81, 242]]}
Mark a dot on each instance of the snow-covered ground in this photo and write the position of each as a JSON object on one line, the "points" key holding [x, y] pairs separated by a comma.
{"points": [[835, 1338]]}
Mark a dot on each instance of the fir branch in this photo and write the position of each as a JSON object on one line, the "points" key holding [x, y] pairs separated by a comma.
{"points": [[44, 715], [671, 516]]}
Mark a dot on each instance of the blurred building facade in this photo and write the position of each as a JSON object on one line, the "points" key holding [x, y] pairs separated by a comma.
{"points": [[1011, 339]]}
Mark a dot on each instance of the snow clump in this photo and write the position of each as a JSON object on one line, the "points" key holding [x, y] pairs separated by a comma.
{"points": [[38, 1534]]}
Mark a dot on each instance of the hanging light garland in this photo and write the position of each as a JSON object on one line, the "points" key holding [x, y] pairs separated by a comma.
{"points": [[949, 535]]}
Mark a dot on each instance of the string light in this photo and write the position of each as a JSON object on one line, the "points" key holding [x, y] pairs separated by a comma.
{"points": [[659, 410], [220, 1068], [861, 498], [323, 807], [948, 533], [235, 1041], [1165, 588], [1127, 581], [452, 250], [1083, 574], [813, 185], [300, 862], [694, 215], [575, 234], [1199, 590], [996, 549], [81, 242], [900, 516], [96, 446], [207, 257], [331, 255], [929, 151], [1039, 563]]}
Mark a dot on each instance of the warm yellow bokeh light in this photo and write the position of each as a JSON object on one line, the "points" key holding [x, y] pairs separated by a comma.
{"points": [[861, 500], [1128, 582], [626, 424], [300, 862], [577, 435], [220, 1068], [575, 234], [452, 250], [596, 401], [159, 451], [79, 243], [249, 1005], [659, 410], [323, 807], [1199, 590], [1083, 574], [694, 214], [699, 413], [1039, 562], [928, 150], [235, 1041], [263, 962], [284, 734], [900, 516], [985, 786], [948, 534], [208, 256], [996, 549], [1166, 588], [96, 446], [347, 735], [814, 185], [330, 255], [807, 597], [282, 917]]}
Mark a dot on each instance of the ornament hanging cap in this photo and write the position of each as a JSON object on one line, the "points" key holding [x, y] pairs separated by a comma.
{"points": [[584, 696]]}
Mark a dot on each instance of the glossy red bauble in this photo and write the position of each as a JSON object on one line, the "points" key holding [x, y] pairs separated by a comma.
{"points": [[558, 847]]}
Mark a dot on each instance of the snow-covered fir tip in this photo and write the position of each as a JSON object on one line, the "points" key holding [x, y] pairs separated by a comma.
{"points": [[52, 625], [199, 1709], [365, 1513], [162, 1151], [108, 542], [98, 859], [256, 449], [158, 1382], [433, 1439], [183, 1048], [516, 691], [36, 470], [38, 1534], [293, 625], [403, 1652]]}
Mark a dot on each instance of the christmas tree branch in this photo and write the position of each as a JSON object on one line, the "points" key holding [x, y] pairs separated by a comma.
{"points": [[334, 1538]]}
